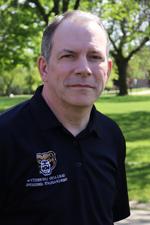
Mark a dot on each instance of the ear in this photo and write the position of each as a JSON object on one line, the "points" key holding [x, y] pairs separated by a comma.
{"points": [[109, 68], [42, 66]]}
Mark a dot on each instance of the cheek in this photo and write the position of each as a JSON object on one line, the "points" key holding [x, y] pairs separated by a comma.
{"points": [[102, 70], [101, 79], [65, 66], [101, 75], [55, 72]]}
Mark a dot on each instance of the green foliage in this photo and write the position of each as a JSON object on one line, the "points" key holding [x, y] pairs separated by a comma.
{"points": [[128, 25], [21, 26], [22, 23], [32, 80], [139, 66], [20, 80], [127, 22], [18, 43]]}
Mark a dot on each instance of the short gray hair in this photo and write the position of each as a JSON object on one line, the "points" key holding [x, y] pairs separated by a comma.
{"points": [[47, 39]]}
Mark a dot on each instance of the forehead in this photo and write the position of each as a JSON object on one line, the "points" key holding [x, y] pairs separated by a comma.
{"points": [[79, 34]]}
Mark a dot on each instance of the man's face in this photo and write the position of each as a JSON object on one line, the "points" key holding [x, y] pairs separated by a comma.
{"points": [[78, 68]]}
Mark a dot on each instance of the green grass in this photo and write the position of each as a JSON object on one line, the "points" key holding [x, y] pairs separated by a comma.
{"points": [[132, 113], [6, 102]]}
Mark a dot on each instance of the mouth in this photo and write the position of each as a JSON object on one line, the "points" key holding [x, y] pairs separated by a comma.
{"points": [[81, 86]]}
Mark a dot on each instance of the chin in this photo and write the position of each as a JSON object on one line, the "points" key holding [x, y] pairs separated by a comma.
{"points": [[82, 102]]}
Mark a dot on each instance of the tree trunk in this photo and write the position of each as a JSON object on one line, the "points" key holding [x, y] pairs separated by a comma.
{"points": [[122, 73]]}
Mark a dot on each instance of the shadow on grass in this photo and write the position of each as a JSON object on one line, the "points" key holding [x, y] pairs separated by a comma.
{"points": [[139, 173], [138, 152], [136, 128], [139, 180], [135, 125]]}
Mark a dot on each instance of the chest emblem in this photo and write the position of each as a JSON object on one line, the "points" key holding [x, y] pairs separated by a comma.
{"points": [[47, 162]]}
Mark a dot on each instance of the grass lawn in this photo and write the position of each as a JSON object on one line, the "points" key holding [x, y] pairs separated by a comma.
{"points": [[6, 102], [132, 113]]}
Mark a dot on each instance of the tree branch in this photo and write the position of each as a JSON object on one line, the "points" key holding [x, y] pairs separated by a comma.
{"points": [[113, 43], [41, 9], [134, 51], [65, 5], [123, 38], [56, 7]]}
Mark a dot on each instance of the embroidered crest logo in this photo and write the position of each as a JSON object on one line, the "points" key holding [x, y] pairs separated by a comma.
{"points": [[47, 162]]}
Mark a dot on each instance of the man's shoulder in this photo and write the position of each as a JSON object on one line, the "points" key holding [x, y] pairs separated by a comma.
{"points": [[105, 123], [104, 119]]}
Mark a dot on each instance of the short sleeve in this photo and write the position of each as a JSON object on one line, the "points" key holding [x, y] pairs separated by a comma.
{"points": [[121, 208]]}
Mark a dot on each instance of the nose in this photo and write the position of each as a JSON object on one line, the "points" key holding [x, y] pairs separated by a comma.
{"points": [[83, 67]]}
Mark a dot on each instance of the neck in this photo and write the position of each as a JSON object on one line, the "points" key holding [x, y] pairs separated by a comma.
{"points": [[73, 118]]}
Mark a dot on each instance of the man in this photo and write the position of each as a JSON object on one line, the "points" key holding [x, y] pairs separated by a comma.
{"points": [[63, 162]]}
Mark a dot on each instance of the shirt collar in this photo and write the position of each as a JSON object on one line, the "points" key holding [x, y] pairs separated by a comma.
{"points": [[47, 120], [94, 124], [41, 111]]}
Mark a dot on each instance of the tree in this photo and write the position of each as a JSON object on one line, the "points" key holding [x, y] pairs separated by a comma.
{"points": [[46, 10], [21, 25], [17, 42], [128, 24], [139, 65], [22, 22]]}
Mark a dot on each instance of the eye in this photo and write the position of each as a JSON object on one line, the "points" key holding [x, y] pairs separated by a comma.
{"points": [[94, 57], [67, 56]]}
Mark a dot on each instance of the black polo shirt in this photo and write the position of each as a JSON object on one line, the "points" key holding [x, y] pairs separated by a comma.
{"points": [[50, 177]]}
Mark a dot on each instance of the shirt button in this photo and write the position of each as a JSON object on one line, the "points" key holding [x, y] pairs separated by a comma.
{"points": [[78, 164], [75, 143]]}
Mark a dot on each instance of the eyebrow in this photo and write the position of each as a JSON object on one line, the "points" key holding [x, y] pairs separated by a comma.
{"points": [[96, 51]]}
